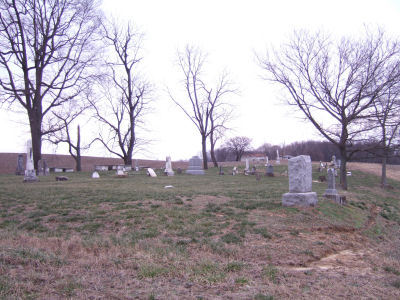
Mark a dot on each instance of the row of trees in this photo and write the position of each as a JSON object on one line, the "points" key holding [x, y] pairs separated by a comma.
{"points": [[59, 58]]}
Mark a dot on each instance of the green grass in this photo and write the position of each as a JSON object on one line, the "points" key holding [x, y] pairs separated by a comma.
{"points": [[202, 230]]}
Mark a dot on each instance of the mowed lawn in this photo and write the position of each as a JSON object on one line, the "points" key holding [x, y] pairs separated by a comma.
{"points": [[207, 237]]}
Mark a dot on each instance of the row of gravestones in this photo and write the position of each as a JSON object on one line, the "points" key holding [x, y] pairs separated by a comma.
{"points": [[299, 170]]}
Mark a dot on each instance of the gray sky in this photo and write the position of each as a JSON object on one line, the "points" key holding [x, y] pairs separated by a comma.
{"points": [[230, 31]]}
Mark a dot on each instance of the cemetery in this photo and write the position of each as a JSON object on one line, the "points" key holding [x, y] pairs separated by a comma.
{"points": [[269, 231], [311, 212]]}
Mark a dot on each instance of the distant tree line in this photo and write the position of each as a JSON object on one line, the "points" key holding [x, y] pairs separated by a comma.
{"points": [[318, 151]]}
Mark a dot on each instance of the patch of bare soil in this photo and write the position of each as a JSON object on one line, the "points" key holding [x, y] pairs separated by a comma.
{"points": [[393, 171]]}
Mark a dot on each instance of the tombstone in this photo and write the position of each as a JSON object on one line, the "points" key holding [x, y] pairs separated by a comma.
{"points": [[266, 161], [338, 163], [270, 171], [179, 171], [221, 172], [42, 168], [247, 168], [278, 160], [321, 166], [121, 173], [136, 165], [168, 167], [253, 170], [95, 175], [331, 192], [300, 183], [20, 165], [234, 171], [333, 161], [151, 173], [30, 174], [195, 166]]}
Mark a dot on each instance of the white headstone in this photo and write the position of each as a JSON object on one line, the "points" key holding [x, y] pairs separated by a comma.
{"points": [[168, 167], [278, 160], [266, 161], [247, 165], [95, 175], [30, 174], [151, 172]]}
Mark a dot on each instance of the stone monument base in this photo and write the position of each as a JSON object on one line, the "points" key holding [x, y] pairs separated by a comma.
{"points": [[299, 199], [30, 176], [169, 173], [333, 195], [195, 172]]}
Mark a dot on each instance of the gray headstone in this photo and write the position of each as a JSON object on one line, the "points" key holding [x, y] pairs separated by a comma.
{"points": [[331, 191], [300, 183], [221, 172], [20, 165], [270, 171], [43, 170], [195, 166]]}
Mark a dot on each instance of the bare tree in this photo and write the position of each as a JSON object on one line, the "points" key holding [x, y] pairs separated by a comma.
{"points": [[204, 105], [386, 114], [239, 145], [45, 50], [125, 95], [335, 83]]}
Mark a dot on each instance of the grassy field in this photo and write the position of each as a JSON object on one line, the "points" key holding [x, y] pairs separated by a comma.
{"points": [[208, 237]]}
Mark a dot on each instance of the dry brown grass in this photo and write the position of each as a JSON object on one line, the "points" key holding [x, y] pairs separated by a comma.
{"points": [[393, 171], [210, 237]]}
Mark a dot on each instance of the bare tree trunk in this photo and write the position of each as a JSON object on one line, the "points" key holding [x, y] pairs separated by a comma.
{"points": [[204, 150], [128, 160], [36, 134], [78, 151], [212, 152]]}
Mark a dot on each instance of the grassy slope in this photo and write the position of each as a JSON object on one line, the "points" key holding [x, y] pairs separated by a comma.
{"points": [[210, 236]]}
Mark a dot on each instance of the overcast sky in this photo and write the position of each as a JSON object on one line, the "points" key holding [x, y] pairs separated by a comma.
{"points": [[230, 31]]}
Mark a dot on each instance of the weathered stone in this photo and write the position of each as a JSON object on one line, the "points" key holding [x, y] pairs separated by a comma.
{"points": [[221, 172], [151, 173], [299, 199], [331, 192], [278, 159], [95, 175], [43, 170], [168, 167], [300, 183], [300, 174], [20, 165], [270, 171], [30, 173], [247, 168], [195, 166]]}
